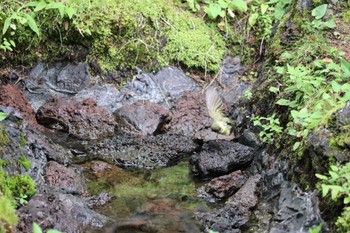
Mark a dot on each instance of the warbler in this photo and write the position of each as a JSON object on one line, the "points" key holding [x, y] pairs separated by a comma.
{"points": [[221, 123]]}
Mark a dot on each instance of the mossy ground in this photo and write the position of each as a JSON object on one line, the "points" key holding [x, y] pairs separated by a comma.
{"points": [[120, 35]]}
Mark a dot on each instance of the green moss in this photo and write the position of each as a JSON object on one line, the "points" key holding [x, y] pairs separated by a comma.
{"points": [[3, 139], [8, 217], [25, 162], [343, 222], [124, 34], [23, 139], [144, 28], [346, 16], [21, 185], [194, 43]]}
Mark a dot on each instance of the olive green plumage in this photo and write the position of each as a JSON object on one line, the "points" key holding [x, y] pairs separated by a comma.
{"points": [[221, 123]]}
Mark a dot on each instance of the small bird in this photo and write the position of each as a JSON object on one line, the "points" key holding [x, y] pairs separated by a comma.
{"points": [[221, 124]]}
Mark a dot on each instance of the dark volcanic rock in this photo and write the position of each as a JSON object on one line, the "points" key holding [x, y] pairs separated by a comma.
{"points": [[106, 96], [219, 158], [343, 115], [59, 80], [224, 186], [66, 179], [297, 211], [173, 82], [190, 117], [229, 77], [236, 212], [142, 117], [11, 95], [143, 152], [84, 120], [24, 144], [63, 212], [342, 118], [162, 88]]}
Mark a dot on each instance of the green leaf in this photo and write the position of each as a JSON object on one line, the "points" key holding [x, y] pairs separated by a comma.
{"points": [[325, 189], [70, 12], [57, 5], [41, 5], [274, 89], [53, 231], [316, 23], [335, 86], [345, 65], [322, 177], [329, 24], [36, 228], [334, 175], [319, 11], [13, 43], [283, 102], [213, 10], [32, 24], [335, 190], [292, 132], [334, 168], [345, 87], [346, 97], [316, 229], [263, 8], [346, 200], [296, 146], [238, 5], [2, 116], [31, 4], [6, 25], [252, 19], [223, 4]]}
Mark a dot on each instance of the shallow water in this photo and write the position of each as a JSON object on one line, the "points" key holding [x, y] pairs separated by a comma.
{"points": [[162, 200]]}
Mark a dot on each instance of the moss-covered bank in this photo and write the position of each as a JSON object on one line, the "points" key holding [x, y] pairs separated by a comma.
{"points": [[114, 35]]}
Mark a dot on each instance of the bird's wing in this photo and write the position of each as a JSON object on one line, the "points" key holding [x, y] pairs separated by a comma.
{"points": [[214, 104]]}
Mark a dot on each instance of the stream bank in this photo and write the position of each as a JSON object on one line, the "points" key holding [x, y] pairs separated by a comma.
{"points": [[81, 150]]}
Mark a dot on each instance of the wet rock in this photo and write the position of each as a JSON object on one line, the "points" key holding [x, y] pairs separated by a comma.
{"points": [[343, 115], [319, 148], [297, 211], [249, 138], [16, 152], [229, 77], [190, 117], [65, 179], [219, 158], [173, 82], [63, 212], [224, 186], [106, 96], [59, 80], [162, 88], [142, 117], [236, 212], [83, 120], [96, 201], [342, 119], [143, 152], [27, 152], [11, 95]]}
